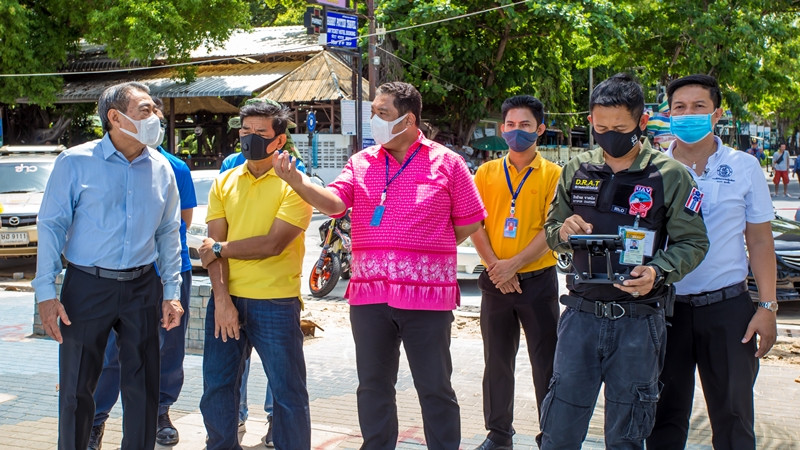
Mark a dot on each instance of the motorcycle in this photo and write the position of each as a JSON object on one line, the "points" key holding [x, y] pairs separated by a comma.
{"points": [[336, 256]]}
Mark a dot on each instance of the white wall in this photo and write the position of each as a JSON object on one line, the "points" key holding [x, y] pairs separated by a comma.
{"points": [[333, 151]]}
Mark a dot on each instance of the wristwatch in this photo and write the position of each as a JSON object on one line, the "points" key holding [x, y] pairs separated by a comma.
{"points": [[659, 276], [217, 249], [772, 306]]}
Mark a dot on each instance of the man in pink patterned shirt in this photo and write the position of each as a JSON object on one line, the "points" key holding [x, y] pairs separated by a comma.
{"points": [[413, 201]]}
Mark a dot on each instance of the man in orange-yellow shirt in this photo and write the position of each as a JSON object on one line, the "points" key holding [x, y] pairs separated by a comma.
{"points": [[519, 286]]}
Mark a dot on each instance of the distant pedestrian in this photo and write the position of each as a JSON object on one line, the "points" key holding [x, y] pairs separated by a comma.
{"points": [[111, 206], [413, 201], [780, 164], [796, 168]]}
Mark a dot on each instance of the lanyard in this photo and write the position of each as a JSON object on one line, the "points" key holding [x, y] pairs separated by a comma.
{"points": [[389, 180], [514, 194]]}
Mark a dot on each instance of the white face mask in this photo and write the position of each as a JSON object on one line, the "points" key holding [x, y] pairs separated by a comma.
{"points": [[382, 130], [148, 130]]}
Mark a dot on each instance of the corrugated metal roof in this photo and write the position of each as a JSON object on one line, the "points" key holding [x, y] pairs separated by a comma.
{"points": [[273, 41], [324, 77], [262, 41], [228, 80]]}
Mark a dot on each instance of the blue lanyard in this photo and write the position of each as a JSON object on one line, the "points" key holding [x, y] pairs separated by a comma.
{"points": [[514, 194], [389, 180]]}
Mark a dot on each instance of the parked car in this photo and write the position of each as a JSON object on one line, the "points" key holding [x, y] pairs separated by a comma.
{"points": [[786, 233], [24, 171], [198, 230]]}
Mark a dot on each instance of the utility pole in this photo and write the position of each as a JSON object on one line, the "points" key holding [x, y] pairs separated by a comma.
{"points": [[591, 88], [373, 40]]}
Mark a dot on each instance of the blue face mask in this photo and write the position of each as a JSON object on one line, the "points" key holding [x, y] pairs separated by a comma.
{"points": [[519, 140], [691, 128]]}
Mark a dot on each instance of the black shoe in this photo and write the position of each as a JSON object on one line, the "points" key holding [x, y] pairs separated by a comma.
{"points": [[96, 437], [267, 439], [167, 435], [489, 444]]}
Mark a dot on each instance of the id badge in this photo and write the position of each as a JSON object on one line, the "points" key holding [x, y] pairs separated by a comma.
{"points": [[377, 215], [633, 253], [510, 230]]}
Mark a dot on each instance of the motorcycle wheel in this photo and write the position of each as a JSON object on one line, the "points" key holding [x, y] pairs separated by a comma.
{"points": [[321, 284]]}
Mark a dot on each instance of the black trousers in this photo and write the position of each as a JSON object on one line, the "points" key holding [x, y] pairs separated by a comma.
{"points": [[708, 338], [377, 332], [95, 306], [536, 309]]}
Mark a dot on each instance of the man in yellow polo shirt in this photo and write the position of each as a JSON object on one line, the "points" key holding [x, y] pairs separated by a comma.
{"points": [[519, 285], [254, 256]]}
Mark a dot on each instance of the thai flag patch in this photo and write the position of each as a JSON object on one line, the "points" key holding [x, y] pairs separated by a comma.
{"points": [[694, 201]]}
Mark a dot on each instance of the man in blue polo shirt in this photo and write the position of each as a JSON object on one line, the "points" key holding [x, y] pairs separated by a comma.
{"points": [[172, 343]]}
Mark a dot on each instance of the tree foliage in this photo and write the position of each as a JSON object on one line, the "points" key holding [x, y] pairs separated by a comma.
{"points": [[37, 36], [465, 68], [750, 46]]}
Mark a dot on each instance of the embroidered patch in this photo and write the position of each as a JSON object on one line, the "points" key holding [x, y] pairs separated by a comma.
{"points": [[641, 200], [724, 171], [619, 209], [580, 184], [694, 201], [584, 199]]}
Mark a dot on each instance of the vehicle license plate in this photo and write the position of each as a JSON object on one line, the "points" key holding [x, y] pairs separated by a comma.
{"points": [[14, 238]]}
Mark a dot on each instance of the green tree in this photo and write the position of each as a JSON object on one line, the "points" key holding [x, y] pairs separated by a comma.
{"points": [[267, 13], [37, 36], [743, 43], [467, 67]]}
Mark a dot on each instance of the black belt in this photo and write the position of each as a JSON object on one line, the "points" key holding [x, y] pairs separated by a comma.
{"points": [[119, 275], [709, 298], [611, 310], [525, 275]]}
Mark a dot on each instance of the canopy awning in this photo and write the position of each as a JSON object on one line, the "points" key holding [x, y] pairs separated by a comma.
{"points": [[322, 78]]}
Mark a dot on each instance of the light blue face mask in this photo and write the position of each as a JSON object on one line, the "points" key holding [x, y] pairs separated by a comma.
{"points": [[691, 128], [520, 140]]}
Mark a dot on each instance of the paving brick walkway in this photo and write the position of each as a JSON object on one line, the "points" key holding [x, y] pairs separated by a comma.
{"points": [[29, 374]]}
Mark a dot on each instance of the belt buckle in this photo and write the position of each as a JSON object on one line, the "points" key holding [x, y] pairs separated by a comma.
{"points": [[127, 276], [607, 310]]}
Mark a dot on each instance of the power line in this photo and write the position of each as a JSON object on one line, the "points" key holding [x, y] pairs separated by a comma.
{"points": [[447, 83], [302, 47]]}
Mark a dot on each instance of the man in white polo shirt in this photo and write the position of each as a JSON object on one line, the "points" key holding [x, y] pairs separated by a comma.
{"points": [[715, 322]]}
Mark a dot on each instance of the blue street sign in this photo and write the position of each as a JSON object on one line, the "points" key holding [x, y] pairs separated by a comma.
{"points": [[311, 121], [342, 26]]}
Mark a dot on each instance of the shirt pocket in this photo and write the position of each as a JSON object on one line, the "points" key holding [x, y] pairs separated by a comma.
{"points": [[430, 189], [710, 190]]}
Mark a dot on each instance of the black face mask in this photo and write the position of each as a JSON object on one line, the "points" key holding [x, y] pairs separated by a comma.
{"points": [[254, 147], [617, 144]]}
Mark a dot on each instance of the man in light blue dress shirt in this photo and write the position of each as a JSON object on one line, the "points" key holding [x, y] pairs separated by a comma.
{"points": [[111, 207]]}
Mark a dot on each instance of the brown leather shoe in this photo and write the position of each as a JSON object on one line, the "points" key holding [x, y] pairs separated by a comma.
{"points": [[167, 435]]}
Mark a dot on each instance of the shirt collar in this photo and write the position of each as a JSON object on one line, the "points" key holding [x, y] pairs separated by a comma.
{"points": [[535, 163], [421, 139], [243, 170], [109, 149], [717, 141]]}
